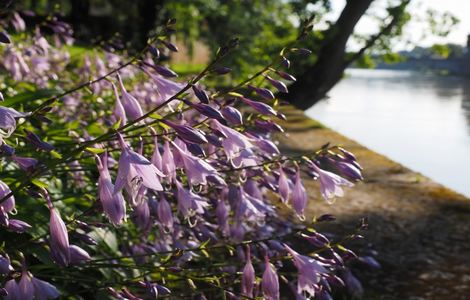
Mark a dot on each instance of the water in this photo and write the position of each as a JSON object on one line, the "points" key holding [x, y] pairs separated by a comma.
{"points": [[421, 121]]}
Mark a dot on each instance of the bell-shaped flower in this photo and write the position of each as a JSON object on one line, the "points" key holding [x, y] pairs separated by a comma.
{"points": [[25, 163], [8, 120], [129, 102], [25, 287], [8, 205], [187, 133], [156, 156], [196, 168], [141, 215], [164, 213], [248, 276], [119, 112], [59, 241], [309, 271], [189, 203], [270, 281], [234, 141], [12, 289], [299, 196], [330, 183], [260, 107], [5, 266], [18, 226], [43, 290], [165, 87], [168, 161], [114, 206], [283, 183], [78, 255], [133, 165], [232, 115]]}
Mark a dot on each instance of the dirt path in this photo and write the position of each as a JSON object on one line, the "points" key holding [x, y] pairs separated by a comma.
{"points": [[420, 229]]}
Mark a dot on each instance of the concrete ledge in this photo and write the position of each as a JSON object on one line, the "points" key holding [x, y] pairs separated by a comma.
{"points": [[419, 228]]}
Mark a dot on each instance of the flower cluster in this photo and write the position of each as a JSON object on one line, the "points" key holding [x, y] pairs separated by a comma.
{"points": [[156, 180]]}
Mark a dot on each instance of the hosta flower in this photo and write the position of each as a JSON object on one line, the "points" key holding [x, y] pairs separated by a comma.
{"points": [[189, 203], [7, 205], [234, 141], [299, 196], [188, 133], [30, 288], [25, 163], [197, 169], [114, 206], [165, 87], [5, 266], [330, 183], [119, 112], [270, 283], [309, 272], [8, 120], [59, 241], [232, 115], [136, 167], [248, 276], [283, 183], [129, 102], [168, 161], [164, 213]]}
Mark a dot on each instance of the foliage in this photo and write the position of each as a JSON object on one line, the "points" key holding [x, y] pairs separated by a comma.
{"points": [[158, 185]]}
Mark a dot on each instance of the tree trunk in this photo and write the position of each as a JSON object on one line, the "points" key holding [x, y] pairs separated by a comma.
{"points": [[317, 80]]}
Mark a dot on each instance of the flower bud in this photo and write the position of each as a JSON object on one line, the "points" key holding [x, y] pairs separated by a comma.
{"points": [[200, 94], [232, 115], [279, 85], [164, 71]]}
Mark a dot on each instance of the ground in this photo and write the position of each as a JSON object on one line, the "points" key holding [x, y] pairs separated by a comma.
{"points": [[419, 228]]}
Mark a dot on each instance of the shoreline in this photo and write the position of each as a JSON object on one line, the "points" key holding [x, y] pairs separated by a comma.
{"points": [[418, 228]]}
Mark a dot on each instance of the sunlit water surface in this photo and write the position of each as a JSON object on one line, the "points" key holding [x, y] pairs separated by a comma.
{"points": [[421, 121]]}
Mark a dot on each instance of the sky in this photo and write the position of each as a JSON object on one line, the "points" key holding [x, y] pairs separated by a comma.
{"points": [[414, 30]]}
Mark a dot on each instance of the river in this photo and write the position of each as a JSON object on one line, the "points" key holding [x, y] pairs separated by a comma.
{"points": [[421, 121]]}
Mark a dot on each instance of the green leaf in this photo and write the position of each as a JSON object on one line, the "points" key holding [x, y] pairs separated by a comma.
{"points": [[95, 150], [39, 183], [56, 154], [29, 96]]}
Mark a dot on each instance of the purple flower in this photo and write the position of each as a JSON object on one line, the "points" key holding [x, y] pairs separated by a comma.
{"points": [[353, 285], [200, 94], [164, 213], [25, 287], [134, 166], [156, 156], [78, 255], [8, 120], [18, 226], [168, 162], [7, 205], [129, 102], [265, 93], [197, 169], [141, 215], [5, 266], [44, 290], [299, 196], [165, 87], [283, 183], [207, 110], [330, 183], [232, 115], [25, 163], [36, 141], [188, 133], [189, 203], [248, 276], [234, 141], [59, 241], [260, 107], [119, 113], [270, 283], [13, 290], [279, 85], [310, 272], [164, 71], [114, 206], [286, 76]]}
